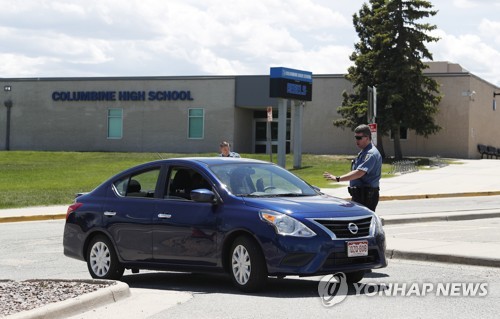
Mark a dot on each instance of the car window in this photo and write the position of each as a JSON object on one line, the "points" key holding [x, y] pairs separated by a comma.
{"points": [[138, 185], [265, 180], [260, 179], [182, 181]]}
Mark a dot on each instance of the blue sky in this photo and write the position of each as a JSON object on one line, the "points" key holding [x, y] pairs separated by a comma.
{"points": [[66, 38]]}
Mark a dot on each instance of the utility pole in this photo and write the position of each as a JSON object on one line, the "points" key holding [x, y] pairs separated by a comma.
{"points": [[8, 104]]}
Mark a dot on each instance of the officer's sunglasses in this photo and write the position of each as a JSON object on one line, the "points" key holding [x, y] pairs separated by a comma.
{"points": [[358, 137]]}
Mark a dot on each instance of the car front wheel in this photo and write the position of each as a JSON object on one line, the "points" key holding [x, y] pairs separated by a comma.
{"points": [[248, 266], [102, 260]]}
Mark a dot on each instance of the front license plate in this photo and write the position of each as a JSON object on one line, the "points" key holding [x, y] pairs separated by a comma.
{"points": [[357, 248]]}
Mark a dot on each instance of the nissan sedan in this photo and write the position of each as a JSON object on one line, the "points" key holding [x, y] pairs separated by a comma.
{"points": [[251, 219]]}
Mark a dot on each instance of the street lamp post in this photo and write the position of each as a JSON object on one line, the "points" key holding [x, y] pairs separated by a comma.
{"points": [[8, 104]]}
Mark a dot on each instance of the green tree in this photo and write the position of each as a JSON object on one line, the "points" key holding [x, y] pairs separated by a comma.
{"points": [[389, 56]]}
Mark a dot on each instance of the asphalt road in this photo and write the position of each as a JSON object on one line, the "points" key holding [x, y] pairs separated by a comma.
{"points": [[34, 250], [44, 243], [298, 298]]}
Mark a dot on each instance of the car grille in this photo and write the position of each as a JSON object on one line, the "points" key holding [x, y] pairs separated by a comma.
{"points": [[340, 227], [341, 259]]}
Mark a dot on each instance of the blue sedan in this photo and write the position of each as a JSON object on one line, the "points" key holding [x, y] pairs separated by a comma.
{"points": [[251, 219]]}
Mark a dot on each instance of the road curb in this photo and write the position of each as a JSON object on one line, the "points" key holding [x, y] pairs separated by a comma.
{"points": [[69, 307], [428, 196], [387, 220], [445, 195], [453, 259], [13, 219]]}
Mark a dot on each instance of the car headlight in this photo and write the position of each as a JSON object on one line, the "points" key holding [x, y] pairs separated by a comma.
{"points": [[376, 225], [285, 225]]}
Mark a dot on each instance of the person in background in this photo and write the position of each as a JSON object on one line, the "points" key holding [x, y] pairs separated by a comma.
{"points": [[366, 170], [225, 150]]}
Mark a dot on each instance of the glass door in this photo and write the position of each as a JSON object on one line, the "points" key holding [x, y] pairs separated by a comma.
{"points": [[260, 136]]}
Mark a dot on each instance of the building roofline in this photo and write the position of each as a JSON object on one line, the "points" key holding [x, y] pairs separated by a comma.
{"points": [[214, 77], [122, 78], [462, 74], [151, 78]]}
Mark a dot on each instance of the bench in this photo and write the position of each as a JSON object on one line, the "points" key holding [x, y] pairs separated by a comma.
{"points": [[489, 151], [483, 150], [492, 151]]}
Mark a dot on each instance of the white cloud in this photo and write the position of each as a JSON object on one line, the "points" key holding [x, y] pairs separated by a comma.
{"points": [[22, 66], [464, 4], [490, 30], [197, 37], [470, 51], [212, 63]]}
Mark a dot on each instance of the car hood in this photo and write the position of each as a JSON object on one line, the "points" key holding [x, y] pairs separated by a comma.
{"points": [[309, 206]]}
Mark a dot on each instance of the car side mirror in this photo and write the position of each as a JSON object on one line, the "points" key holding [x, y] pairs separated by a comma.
{"points": [[202, 195]]}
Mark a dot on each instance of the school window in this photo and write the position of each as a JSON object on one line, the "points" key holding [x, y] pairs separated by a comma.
{"points": [[403, 133], [115, 123], [196, 123]]}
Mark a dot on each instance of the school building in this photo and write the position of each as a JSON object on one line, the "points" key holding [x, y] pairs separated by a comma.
{"points": [[192, 114]]}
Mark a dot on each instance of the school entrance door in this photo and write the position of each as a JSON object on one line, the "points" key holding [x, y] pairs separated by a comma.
{"points": [[260, 136]]}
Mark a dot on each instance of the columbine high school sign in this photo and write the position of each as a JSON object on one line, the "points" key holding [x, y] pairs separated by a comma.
{"points": [[77, 96]]}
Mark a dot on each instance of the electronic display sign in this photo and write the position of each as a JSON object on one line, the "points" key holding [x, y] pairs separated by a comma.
{"points": [[290, 84]]}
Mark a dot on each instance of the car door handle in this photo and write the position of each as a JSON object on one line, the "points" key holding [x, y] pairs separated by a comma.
{"points": [[164, 216], [110, 214]]}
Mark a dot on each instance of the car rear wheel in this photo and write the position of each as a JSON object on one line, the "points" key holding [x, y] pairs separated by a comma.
{"points": [[102, 260], [248, 266], [354, 277]]}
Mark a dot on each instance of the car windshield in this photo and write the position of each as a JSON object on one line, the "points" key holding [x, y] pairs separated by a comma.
{"points": [[260, 180]]}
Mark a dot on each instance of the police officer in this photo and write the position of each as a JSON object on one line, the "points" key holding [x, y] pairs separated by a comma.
{"points": [[364, 178]]}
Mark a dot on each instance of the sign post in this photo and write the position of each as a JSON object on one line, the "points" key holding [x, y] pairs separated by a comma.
{"points": [[372, 104], [282, 108], [268, 132], [298, 107], [372, 112], [373, 129]]}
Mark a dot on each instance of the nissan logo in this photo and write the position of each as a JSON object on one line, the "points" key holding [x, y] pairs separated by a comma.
{"points": [[353, 228]]}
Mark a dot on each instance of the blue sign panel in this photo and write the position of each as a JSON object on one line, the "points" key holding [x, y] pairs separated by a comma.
{"points": [[291, 74], [290, 84]]}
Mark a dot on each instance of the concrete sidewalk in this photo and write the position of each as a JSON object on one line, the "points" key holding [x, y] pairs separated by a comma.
{"points": [[33, 213], [466, 178], [409, 235]]}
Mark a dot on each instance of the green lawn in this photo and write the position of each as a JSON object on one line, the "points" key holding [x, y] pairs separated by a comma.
{"points": [[52, 178]]}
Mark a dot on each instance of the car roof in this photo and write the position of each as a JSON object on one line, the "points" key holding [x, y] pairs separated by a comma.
{"points": [[215, 160]]}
